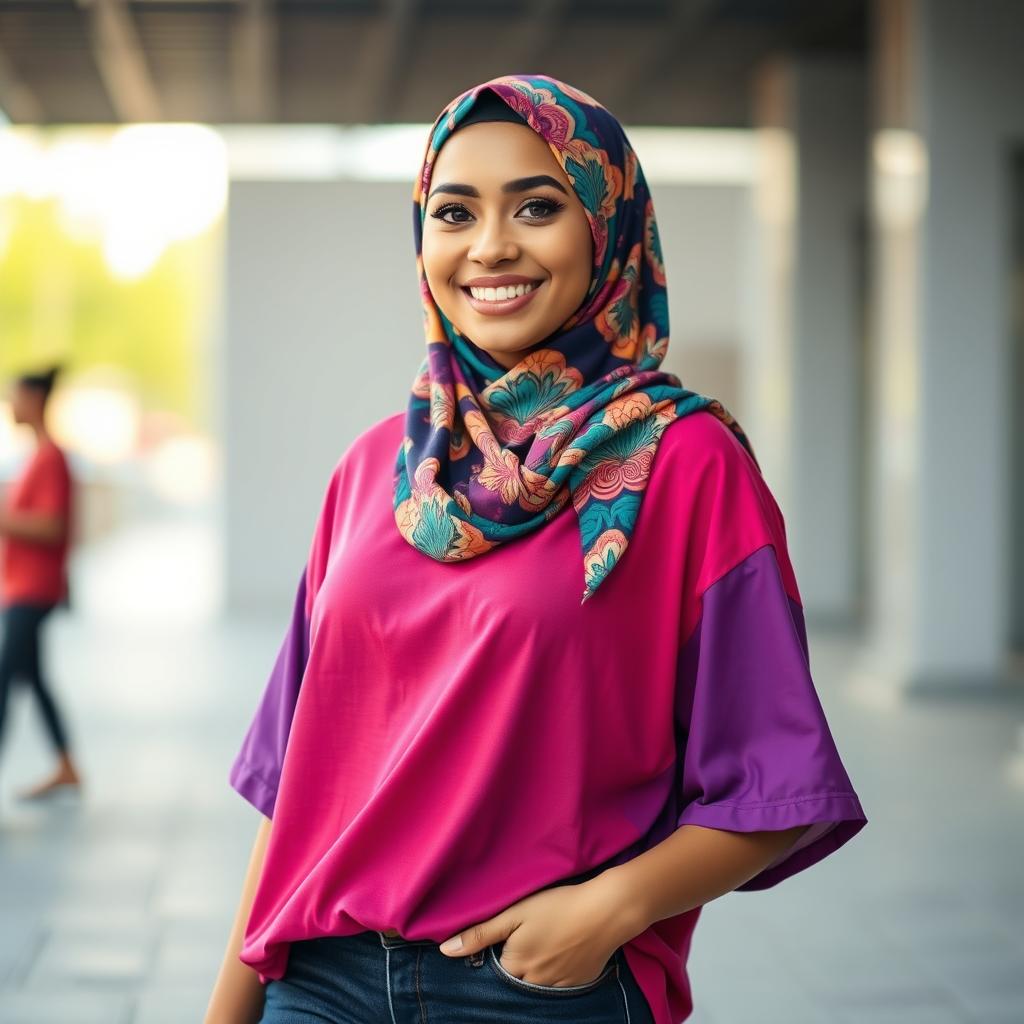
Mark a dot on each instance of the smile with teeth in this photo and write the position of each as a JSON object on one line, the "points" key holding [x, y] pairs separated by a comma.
{"points": [[501, 293]]}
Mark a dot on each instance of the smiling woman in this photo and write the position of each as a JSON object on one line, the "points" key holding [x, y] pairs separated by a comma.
{"points": [[509, 753], [510, 262]]}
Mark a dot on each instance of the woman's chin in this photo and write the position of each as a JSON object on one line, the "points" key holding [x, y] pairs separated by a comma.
{"points": [[512, 341], [504, 353]]}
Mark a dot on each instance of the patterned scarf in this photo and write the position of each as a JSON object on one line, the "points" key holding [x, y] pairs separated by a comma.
{"points": [[490, 453]]}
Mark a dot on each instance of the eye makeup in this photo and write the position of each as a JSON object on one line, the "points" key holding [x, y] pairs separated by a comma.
{"points": [[551, 207]]}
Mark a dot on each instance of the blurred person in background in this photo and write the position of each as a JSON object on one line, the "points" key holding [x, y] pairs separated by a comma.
{"points": [[35, 531]]}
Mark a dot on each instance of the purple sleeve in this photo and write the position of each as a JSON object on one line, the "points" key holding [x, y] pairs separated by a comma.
{"points": [[758, 752], [256, 769]]}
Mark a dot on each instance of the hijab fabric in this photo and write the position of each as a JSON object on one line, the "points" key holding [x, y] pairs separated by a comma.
{"points": [[490, 454]]}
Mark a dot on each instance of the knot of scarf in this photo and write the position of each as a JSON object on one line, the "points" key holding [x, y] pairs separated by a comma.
{"points": [[490, 453]]}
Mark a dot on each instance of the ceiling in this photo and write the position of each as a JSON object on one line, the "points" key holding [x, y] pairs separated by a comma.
{"points": [[671, 62]]}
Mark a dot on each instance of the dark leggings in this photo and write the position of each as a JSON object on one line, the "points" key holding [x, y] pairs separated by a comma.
{"points": [[19, 656]]}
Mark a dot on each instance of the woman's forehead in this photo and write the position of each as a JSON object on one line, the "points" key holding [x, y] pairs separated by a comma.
{"points": [[495, 151]]}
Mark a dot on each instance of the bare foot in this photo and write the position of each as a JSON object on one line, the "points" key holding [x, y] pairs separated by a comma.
{"points": [[65, 778]]}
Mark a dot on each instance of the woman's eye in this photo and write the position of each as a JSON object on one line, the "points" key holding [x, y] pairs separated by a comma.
{"points": [[541, 208], [440, 212], [546, 207]]}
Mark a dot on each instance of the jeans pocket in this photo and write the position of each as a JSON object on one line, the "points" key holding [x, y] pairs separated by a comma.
{"points": [[608, 972]]}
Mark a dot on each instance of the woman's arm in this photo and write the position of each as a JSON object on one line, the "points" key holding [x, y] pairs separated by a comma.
{"points": [[691, 867], [238, 993], [37, 526], [581, 924]]}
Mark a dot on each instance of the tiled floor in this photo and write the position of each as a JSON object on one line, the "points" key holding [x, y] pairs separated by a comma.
{"points": [[115, 908]]}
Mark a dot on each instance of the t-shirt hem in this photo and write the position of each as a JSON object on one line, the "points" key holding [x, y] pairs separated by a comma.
{"points": [[841, 809], [248, 782]]}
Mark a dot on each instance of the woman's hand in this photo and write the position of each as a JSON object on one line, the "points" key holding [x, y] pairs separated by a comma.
{"points": [[563, 936]]}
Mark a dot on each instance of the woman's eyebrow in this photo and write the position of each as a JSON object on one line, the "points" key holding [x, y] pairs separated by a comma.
{"points": [[516, 185]]}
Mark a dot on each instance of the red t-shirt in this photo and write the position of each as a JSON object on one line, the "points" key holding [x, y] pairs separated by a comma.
{"points": [[32, 571]]}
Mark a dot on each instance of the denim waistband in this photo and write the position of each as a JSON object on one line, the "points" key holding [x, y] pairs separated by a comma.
{"points": [[390, 941]]}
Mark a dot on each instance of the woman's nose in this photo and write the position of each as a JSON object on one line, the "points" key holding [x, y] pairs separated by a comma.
{"points": [[491, 244]]}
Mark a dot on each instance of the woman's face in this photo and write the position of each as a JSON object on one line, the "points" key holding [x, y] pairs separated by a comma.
{"points": [[501, 214]]}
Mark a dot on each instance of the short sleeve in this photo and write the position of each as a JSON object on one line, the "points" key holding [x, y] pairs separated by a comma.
{"points": [[758, 753], [51, 485], [256, 770]]}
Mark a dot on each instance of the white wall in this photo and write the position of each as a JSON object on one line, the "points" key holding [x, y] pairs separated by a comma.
{"points": [[321, 337]]}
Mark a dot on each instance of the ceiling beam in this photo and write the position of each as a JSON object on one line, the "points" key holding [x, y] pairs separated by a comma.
{"points": [[649, 67], [535, 37], [121, 61], [254, 72], [393, 57], [17, 101]]}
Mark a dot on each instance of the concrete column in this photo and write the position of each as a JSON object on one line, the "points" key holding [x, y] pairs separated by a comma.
{"points": [[947, 84], [805, 332]]}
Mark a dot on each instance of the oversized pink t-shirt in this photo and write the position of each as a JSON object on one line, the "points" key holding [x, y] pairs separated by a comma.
{"points": [[439, 740]]}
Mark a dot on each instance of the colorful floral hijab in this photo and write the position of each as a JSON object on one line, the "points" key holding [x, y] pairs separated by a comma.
{"points": [[490, 453]]}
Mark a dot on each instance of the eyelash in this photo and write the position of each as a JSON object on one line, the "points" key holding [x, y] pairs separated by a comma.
{"points": [[552, 205]]}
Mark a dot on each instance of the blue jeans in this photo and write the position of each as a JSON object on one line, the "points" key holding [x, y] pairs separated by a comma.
{"points": [[373, 978], [20, 657]]}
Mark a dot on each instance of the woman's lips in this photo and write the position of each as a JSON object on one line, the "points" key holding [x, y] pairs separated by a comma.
{"points": [[499, 307]]}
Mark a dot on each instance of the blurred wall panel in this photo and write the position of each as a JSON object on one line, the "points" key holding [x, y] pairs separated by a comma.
{"points": [[322, 336]]}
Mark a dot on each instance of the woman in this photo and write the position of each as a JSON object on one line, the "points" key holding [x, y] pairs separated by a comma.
{"points": [[35, 530], [554, 738]]}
